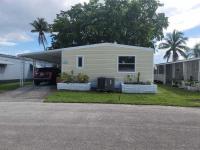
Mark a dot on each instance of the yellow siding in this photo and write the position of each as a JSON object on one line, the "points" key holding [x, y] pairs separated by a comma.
{"points": [[103, 61]]}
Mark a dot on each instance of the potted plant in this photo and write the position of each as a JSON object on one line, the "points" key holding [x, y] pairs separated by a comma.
{"points": [[69, 81], [193, 86], [132, 85]]}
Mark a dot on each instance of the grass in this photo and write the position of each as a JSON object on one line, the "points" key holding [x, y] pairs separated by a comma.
{"points": [[166, 96], [11, 86]]}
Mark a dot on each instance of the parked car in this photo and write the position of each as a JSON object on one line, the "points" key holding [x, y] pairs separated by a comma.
{"points": [[45, 75]]}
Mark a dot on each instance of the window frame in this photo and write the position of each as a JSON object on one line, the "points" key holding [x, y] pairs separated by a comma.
{"points": [[126, 71], [77, 61]]}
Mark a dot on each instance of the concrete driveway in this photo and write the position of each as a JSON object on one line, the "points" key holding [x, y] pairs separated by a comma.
{"points": [[40, 126], [27, 94]]}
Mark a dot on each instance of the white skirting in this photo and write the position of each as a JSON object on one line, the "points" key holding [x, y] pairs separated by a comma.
{"points": [[138, 88], [74, 86]]}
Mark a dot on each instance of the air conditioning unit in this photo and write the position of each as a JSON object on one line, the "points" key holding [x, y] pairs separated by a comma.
{"points": [[106, 84]]}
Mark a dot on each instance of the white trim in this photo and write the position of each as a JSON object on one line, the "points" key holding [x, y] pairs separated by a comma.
{"points": [[179, 61], [107, 44], [83, 61], [118, 64]]}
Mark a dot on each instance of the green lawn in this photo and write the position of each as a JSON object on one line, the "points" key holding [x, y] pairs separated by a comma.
{"points": [[166, 96], [11, 86]]}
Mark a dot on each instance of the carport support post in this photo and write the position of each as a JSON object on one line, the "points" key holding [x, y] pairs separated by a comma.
{"points": [[34, 65], [165, 71], [22, 73]]}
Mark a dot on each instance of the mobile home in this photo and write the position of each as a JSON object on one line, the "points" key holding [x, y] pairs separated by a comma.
{"points": [[14, 68], [102, 60], [178, 71]]}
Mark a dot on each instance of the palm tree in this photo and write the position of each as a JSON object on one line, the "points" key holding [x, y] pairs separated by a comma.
{"points": [[196, 50], [175, 44], [41, 26]]}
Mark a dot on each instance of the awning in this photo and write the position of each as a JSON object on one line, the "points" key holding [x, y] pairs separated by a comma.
{"points": [[3, 62], [51, 56]]}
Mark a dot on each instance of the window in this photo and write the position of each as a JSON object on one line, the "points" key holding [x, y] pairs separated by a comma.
{"points": [[126, 64], [79, 61]]}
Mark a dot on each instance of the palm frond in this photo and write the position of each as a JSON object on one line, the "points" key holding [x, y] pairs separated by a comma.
{"points": [[163, 45], [175, 42], [167, 55], [182, 53], [40, 26], [196, 50]]}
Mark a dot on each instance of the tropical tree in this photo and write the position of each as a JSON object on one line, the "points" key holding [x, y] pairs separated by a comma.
{"points": [[42, 27], [175, 44], [196, 50], [131, 22], [189, 54]]}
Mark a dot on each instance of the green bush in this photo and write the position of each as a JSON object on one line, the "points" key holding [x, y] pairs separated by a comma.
{"points": [[71, 78], [82, 78]]}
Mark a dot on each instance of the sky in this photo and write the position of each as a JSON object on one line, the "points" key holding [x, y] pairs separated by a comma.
{"points": [[16, 16]]}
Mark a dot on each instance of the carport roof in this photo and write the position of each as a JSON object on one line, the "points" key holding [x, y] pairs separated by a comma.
{"points": [[2, 62], [51, 56]]}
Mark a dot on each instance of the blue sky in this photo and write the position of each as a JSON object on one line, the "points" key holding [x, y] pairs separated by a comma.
{"points": [[15, 36]]}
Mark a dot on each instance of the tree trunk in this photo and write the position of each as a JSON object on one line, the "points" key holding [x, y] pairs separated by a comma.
{"points": [[44, 46]]}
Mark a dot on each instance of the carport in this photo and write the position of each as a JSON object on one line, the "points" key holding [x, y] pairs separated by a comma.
{"points": [[51, 56]]}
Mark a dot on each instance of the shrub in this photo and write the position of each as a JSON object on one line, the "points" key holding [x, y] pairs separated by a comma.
{"points": [[131, 79], [71, 78], [64, 77], [82, 78]]}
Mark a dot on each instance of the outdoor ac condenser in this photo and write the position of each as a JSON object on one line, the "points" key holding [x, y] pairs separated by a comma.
{"points": [[106, 84]]}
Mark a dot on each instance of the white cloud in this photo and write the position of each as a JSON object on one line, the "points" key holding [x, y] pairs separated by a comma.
{"points": [[17, 37], [16, 17], [23, 52], [182, 15], [70, 3], [4, 43], [11, 39], [192, 41], [158, 57]]}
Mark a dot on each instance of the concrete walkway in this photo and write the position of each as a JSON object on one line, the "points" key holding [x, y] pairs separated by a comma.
{"points": [[40, 126]]}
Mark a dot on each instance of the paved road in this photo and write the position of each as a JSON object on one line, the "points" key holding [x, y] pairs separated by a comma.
{"points": [[26, 94], [39, 126]]}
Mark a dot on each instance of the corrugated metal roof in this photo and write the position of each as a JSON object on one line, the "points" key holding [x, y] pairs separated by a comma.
{"points": [[3, 62], [179, 61]]}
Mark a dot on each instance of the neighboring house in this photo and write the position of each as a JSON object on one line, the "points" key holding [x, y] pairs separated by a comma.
{"points": [[177, 71], [14, 68], [102, 60]]}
